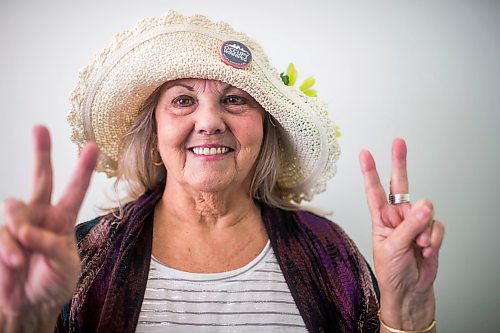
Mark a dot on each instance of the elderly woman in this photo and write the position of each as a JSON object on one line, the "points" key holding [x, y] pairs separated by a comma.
{"points": [[217, 153]]}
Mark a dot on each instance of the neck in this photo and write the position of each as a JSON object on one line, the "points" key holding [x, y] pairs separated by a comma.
{"points": [[206, 209], [207, 232]]}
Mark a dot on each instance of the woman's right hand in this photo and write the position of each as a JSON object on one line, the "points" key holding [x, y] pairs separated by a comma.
{"points": [[39, 262]]}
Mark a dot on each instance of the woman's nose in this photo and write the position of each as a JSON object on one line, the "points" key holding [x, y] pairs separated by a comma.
{"points": [[209, 119]]}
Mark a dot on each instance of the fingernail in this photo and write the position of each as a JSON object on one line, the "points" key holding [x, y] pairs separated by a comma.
{"points": [[422, 214]]}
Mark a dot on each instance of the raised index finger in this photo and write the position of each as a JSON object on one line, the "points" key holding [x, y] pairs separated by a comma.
{"points": [[41, 189], [74, 194], [375, 193]]}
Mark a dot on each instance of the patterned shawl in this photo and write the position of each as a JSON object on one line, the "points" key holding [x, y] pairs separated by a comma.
{"points": [[330, 281]]}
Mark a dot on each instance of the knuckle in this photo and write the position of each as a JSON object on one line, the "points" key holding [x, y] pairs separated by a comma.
{"points": [[440, 226], [6, 240], [425, 203], [12, 205], [3, 234], [402, 177], [14, 212]]}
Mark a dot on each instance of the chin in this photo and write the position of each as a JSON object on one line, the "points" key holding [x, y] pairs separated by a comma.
{"points": [[213, 180], [213, 183]]}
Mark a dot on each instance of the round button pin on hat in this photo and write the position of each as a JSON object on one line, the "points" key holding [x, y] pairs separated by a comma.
{"points": [[235, 54]]}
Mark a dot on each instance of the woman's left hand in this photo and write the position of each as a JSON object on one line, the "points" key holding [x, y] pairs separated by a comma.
{"points": [[406, 243]]}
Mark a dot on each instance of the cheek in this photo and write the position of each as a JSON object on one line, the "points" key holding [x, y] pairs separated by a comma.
{"points": [[172, 136], [256, 141], [250, 140], [255, 131]]}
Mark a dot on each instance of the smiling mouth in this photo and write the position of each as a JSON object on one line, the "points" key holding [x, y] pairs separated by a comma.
{"points": [[210, 151]]}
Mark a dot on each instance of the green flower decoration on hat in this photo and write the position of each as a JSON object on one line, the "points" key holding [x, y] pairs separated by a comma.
{"points": [[290, 78]]}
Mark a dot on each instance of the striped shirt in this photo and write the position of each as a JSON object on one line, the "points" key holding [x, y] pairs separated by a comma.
{"points": [[250, 299]]}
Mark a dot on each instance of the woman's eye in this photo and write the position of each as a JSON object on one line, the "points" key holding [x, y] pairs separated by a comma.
{"points": [[234, 100], [183, 101]]}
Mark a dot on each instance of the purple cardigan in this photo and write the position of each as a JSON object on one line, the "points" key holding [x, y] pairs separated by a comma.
{"points": [[330, 281]]}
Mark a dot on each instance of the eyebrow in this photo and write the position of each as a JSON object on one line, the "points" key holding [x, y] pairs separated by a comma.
{"points": [[190, 88], [168, 86]]}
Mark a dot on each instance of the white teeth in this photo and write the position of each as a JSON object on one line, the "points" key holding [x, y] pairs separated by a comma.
{"points": [[210, 151]]}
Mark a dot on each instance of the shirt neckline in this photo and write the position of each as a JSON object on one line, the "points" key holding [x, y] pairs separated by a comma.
{"points": [[179, 275]]}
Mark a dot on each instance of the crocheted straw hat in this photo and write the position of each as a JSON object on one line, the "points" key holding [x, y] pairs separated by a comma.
{"points": [[111, 90]]}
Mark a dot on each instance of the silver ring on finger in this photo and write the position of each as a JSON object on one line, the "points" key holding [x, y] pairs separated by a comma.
{"points": [[398, 198]]}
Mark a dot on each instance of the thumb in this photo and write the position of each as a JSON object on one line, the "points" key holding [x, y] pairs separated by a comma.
{"points": [[421, 215]]}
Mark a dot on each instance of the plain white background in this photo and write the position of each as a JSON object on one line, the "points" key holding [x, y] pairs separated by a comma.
{"points": [[428, 71]]}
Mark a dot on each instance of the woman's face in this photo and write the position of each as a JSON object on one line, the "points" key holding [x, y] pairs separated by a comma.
{"points": [[209, 134]]}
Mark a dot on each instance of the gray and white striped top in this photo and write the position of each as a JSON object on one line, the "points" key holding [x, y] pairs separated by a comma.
{"points": [[250, 299]]}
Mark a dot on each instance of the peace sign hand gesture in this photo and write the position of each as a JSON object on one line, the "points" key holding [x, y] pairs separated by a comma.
{"points": [[39, 262], [406, 243]]}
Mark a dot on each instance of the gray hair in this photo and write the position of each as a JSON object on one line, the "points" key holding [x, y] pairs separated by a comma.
{"points": [[136, 169]]}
